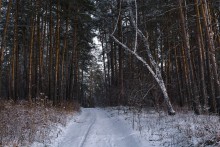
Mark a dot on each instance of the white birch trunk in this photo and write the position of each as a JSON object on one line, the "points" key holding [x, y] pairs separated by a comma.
{"points": [[156, 72]]}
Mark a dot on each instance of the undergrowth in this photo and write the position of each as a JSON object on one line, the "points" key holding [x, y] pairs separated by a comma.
{"points": [[21, 124], [185, 129]]}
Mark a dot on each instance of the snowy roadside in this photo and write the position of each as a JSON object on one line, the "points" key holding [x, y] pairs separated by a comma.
{"points": [[160, 129], [57, 134], [56, 131], [36, 125]]}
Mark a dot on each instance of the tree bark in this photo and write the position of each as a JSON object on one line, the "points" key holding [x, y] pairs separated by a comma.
{"points": [[3, 42], [211, 52], [191, 76], [30, 61], [201, 56], [56, 87], [121, 58]]}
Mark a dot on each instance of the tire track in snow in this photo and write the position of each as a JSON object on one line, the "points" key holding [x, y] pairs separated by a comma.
{"points": [[87, 132], [97, 129]]}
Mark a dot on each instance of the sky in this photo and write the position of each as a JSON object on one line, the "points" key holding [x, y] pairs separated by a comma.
{"points": [[97, 51]]}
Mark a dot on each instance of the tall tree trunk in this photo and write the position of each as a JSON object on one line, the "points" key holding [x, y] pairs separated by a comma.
{"points": [[178, 78], [211, 52], [51, 54], [38, 49], [112, 64], [41, 54], [121, 58], [64, 60], [56, 87], [74, 66], [3, 42], [192, 84], [32, 29], [15, 55], [0, 9], [201, 56], [25, 62]]}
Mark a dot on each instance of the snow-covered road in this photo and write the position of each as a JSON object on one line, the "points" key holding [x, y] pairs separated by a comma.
{"points": [[95, 127], [112, 127]]}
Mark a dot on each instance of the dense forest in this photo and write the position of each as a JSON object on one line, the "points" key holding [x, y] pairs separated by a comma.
{"points": [[152, 53]]}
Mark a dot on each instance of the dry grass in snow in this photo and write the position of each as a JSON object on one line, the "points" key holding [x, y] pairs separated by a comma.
{"points": [[185, 129], [21, 124]]}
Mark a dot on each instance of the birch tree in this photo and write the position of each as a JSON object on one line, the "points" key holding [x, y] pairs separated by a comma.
{"points": [[153, 67]]}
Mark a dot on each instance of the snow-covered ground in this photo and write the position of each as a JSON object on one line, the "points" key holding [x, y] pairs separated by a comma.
{"points": [[40, 126], [22, 124], [185, 129], [96, 127]]}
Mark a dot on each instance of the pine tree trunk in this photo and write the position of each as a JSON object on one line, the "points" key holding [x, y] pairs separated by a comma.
{"points": [[121, 59], [74, 67], [63, 95], [30, 61], [209, 36], [201, 56], [178, 78], [3, 42], [51, 54], [56, 86], [0, 9], [192, 84], [15, 55]]}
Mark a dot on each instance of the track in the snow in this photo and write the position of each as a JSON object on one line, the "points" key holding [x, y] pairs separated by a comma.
{"points": [[87, 132], [94, 128]]}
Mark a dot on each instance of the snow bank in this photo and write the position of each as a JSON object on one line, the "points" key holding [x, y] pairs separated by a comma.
{"points": [[160, 129]]}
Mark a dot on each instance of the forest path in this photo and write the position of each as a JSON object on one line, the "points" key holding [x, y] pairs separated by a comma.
{"points": [[95, 127]]}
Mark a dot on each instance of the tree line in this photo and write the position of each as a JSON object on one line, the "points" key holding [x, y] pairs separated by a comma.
{"points": [[182, 38], [152, 52], [45, 49]]}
